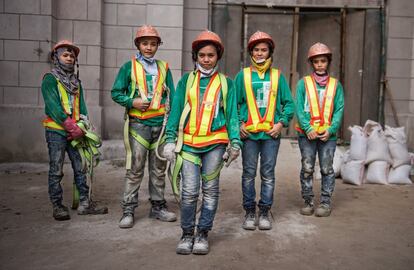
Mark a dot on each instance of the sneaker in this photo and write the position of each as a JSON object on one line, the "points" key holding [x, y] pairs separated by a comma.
{"points": [[308, 209], [264, 220], [201, 243], [126, 221], [89, 207], [60, 212], [159, 211], [185, 246], [323, 210], [250, 220]]}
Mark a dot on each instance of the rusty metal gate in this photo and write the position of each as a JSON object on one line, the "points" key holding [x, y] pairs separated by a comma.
{"points": [[354, 35]]}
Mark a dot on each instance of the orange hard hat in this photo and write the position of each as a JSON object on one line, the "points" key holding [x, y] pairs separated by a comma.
{"points": [[258, 37], [147, 31], [319, 49], [66, 43], [207, 35]]}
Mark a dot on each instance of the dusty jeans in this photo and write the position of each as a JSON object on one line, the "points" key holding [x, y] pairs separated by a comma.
{"points": [[57, 146], [156, 168], [191, 177], [325, 151]]}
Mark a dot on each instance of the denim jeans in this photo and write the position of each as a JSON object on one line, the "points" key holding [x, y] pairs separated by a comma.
{"points": [[191, 177], [57, 146], [267, 150], [326, 151], [134, 176]]}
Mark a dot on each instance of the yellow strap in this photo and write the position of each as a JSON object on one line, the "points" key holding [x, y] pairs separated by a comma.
{"points": [[329, 99], [251, 99], [208, 106], [158, 88], [144, 142], [193, 95]]}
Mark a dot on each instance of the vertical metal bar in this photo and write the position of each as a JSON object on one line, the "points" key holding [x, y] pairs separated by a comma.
{"points": [[381, 105], [294, 55], [243, 36]]}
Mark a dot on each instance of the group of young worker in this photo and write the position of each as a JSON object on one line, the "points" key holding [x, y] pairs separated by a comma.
{"points": [[211, 119]]}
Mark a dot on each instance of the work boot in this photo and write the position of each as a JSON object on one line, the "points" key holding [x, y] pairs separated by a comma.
{"points": [[185, 246], [264, 220], [159, 211], [201, 243], [250, 219], [126, 221], [308, 209], [88, 207], [323, 210], [60, 212]]}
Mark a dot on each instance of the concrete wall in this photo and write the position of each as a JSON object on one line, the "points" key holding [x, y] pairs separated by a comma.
{"points": [[400, 66]]}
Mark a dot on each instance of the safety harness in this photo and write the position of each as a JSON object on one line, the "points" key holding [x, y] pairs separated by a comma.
{"points": [[138, 80]]}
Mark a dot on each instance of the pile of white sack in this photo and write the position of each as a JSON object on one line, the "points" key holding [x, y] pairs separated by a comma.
{"points": [[377, 156]]}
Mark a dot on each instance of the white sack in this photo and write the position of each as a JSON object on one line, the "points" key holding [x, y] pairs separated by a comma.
{"points": [[377, 173], [358, 148], [338, 159], [352, 172], [377, 147], [397, 144], [400, 175], [370, 126]]}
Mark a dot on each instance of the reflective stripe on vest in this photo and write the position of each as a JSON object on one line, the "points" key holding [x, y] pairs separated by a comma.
{"points": [[65, 101], [138, 78], [320, 121], [197, 132], [255, 122]]}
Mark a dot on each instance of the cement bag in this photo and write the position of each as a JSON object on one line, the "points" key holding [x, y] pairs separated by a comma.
{"points": [[358, 148], [338, 159], [377, 172], [397, 144], [352, 172], [400, 175], [377, 147], [370, 126]]}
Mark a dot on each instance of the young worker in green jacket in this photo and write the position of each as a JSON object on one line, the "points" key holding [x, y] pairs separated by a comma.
{"points": [[64, 106], [265, 107], [143, 86], [319, 109], [204, 122]]}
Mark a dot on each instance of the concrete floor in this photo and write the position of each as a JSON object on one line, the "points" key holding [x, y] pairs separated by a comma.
{"points": [[371, 226]]}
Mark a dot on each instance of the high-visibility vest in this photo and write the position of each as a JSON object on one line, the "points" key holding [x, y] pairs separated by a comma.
{"points": [[320, 115], [197, 132], [71, 111], [255, 122], [138, 78]]}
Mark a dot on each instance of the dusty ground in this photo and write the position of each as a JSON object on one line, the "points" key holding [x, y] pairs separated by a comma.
{"points": [[371, 227]]}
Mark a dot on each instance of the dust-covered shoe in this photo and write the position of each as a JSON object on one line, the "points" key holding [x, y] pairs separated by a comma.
{"points": [[185, 246], [126, 221], [201, 243], [60, 212], [88, 207], [250, 220], [160, 211], [264, 220], [308, 209], [323, 210]]}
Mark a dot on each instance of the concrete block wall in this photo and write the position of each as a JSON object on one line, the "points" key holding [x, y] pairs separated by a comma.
{"points": [[400, 65], [195, 21], [121, 19], [25, 40]]}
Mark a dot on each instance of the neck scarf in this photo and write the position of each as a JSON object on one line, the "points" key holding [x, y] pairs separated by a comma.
{"points": [[149, 64], [322, 80], [206, 72], [262, 66], [65, 73]]}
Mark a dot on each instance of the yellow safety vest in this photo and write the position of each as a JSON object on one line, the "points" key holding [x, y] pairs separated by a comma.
{"points": [[320, 115], [65, 100], [138, 79], [255, 122], [197, 132]]}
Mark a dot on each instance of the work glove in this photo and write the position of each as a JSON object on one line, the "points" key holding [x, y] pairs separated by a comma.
{"points": [[73, 130], [169, 151], [231, 154]]}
